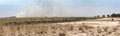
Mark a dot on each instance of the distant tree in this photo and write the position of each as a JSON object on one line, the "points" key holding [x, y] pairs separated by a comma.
{"points": [[13, 17], [115, 15], [103, 15], [95, 16], [98, 15], [108, 15]]}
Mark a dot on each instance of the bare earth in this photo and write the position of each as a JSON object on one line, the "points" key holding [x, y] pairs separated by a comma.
{"points": [[98, 27]]}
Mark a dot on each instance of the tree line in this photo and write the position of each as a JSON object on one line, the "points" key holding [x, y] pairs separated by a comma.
{"points": [[57, 20], [112, 15]]}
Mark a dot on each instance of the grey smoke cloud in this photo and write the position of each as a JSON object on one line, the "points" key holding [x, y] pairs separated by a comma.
{"points": [[62, 8], [46, 8], [43, 8]]}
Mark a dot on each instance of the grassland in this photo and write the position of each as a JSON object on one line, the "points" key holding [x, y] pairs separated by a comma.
{"points": [[20, 21], [62, 26]]}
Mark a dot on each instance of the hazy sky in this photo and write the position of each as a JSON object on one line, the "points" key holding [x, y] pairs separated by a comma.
{"points": [[29, 8]]}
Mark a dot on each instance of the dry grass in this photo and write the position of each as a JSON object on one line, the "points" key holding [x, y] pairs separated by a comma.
{"points": [[19, 21], [57, 30], [61, 29]]}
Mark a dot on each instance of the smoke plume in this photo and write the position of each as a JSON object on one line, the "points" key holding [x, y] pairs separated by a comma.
{"points": [[63, 8], [43, 8]]}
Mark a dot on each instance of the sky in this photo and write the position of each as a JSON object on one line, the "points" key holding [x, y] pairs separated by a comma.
{"points": [[52, 8]]}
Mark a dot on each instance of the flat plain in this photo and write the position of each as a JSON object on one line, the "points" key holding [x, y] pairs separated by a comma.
{"points": [[62, 27]]}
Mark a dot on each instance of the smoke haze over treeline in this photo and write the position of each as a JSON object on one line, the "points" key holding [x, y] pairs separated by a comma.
{"points": [[59, 8]]}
